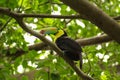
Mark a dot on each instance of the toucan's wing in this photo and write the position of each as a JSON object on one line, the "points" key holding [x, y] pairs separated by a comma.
{"points": [[66, 43]]}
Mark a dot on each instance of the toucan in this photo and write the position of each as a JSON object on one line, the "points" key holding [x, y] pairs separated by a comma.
{"points": [[70, 47]]}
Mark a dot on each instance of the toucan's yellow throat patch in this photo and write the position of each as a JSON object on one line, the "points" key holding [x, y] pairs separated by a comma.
{"points": [[58, 34]]}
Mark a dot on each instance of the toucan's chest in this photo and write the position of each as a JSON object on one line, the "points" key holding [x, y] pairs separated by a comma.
{"points": [[60, 43], [66, 43]]}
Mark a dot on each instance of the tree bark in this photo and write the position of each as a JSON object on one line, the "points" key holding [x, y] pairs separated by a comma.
{"points": [[96, 16]]}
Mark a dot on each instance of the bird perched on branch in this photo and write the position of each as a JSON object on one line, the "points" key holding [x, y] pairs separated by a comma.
{"points": [[71, 48]]}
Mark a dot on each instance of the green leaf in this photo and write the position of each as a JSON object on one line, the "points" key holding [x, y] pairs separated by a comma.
{"points": [[55, 76], [25, 78]]}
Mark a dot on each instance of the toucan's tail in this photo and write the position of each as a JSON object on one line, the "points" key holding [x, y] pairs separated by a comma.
{"points": [[81, 62]]}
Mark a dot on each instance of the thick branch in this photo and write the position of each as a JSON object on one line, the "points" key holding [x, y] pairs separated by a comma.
{"points": [[96, 16], [94, 40]]}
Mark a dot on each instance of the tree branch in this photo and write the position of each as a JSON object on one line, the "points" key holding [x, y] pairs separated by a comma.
{"points": [[52, 16], [96, 16], [1, 29], [117, 18], [94, 40]]}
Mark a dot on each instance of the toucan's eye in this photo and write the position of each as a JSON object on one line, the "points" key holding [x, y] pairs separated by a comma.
{"points": [[42, 32]]}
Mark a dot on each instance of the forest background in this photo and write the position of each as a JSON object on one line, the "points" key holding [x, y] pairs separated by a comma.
{"points": [[27, 55]]}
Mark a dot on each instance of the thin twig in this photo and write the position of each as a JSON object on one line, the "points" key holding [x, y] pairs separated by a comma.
{"points": [[3, 27]]}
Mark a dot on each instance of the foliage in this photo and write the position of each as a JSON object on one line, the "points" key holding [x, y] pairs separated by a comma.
{"points": [[101, 61]]}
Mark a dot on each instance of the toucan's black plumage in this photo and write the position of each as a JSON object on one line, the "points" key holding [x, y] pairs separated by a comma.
{"points": [[71, 48]]}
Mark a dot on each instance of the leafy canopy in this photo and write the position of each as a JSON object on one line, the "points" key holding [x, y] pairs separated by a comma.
{"points": [[101, 61]]}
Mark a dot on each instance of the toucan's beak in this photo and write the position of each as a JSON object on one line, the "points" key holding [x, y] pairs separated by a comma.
{"points": [[50, 30]]}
